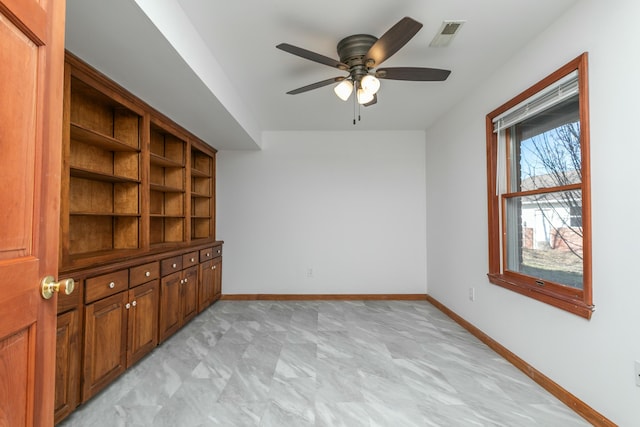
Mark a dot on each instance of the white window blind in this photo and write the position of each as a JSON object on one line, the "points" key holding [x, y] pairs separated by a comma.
{"points": [[546, 98]]}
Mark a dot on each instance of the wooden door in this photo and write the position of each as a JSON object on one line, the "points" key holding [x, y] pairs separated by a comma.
{"points": [[189, 294], [143, 320], [205, 291], [217, 278], [169, 305], [105, 343], [67, 364], [31, 70]]}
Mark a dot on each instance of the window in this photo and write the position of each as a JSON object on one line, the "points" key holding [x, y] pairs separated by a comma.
{"points": [[538, 184]]}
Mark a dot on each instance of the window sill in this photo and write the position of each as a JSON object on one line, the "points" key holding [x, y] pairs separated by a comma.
{"points": [[564, 302]]}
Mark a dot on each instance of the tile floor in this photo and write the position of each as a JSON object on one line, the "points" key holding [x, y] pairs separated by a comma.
{"points": [[323, 363]]}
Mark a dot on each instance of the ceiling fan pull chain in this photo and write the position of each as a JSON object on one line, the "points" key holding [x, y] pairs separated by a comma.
{"points": [[355, 90]]}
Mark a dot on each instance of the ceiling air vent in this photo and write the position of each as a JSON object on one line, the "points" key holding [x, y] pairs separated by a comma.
{"points": [[446, 33]]}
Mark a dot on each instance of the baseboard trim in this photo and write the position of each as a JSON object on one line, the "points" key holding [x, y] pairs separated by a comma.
{"points": [[577, 405], [325, 297]]}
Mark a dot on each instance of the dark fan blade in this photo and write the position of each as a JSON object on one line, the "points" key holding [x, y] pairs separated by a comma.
{"points": [[315, 85], [312, 56], [373, 101], [413, 73], [391, 41]]}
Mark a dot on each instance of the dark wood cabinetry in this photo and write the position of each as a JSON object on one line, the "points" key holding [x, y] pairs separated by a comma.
{"points": [[137, 225], [68, 351], [178, 296], [210, 275]]}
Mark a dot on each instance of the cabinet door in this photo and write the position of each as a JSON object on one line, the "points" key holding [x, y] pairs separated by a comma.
{"points": [[170, 290], [205, 286], [67, 365], [217, 278], [189, 294], [105, 343], [143, 320]]}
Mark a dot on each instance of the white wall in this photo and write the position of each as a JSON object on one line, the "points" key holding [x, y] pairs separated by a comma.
{"points": [[350, 206], [591, 359]]}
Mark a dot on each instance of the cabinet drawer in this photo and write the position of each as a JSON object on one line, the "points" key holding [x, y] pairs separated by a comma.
{"points": [[205, 254], [171, 265], [190, 259], [143, 273], [108, 284], [209, 253]]}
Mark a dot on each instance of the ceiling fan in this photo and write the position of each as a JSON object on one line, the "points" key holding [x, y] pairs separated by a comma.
{"points": [[361, 55]]}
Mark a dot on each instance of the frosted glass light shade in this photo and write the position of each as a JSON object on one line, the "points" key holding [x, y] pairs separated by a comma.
{"points": [[370, 84], [343, 89], [364, 96]]}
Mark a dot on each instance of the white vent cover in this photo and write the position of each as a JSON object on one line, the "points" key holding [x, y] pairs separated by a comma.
{"points": [[446, 33]]}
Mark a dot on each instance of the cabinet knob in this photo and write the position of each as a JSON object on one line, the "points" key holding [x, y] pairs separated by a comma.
{"points": [[208, 254], [127, 306], [134, 303], [174, 265], [186, 280], [112, 285], [219, 251], [181, 282], [213, 268], [193, 259], [147, 273]]}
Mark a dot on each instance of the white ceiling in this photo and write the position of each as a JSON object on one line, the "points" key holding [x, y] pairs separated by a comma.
{"points": [[212, 66]]}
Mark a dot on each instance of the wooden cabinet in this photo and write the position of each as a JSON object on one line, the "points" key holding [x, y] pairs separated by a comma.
{"points": [[210, 276], [167, 187], [137, 220], [120, 328], [68, 341], [100, 210], [133, 181], [202, 200], [178, 296]]}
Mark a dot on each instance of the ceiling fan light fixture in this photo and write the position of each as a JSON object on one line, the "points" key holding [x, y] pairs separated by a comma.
{"points": [[343, 89], [370, 84], [364, 97]]}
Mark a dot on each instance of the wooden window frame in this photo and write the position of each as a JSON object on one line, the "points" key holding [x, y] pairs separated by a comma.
{"points": [[576, 301]]}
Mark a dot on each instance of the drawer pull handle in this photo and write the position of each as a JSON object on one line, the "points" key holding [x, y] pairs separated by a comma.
{"points": [[193, 259], [112, 285], [174, 265], [127, 306], [219, 251], [147, 273], [134, 303], [208, 254]]}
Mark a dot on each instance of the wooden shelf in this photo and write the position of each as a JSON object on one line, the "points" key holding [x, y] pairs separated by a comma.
{"points": [[198, 195], [98, 176], [158, 160], [199, 174], [165, 189], [133, 215], [97, 139]]}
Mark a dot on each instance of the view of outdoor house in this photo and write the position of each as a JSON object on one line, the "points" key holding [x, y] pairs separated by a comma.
{"points": [[550, 223]]}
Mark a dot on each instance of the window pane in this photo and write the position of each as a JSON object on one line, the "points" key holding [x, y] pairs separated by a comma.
{"points": [[545, 148], [544, 236]]}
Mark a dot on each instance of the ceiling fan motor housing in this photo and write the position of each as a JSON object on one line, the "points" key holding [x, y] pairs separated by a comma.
{"points": [[352, 51]]}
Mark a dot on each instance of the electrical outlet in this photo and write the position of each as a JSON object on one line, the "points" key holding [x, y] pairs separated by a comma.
{"points": [[472, 294], [637, 373]]}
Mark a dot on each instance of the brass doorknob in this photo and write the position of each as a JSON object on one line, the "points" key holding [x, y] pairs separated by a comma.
{"points": [[49, 286]]}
